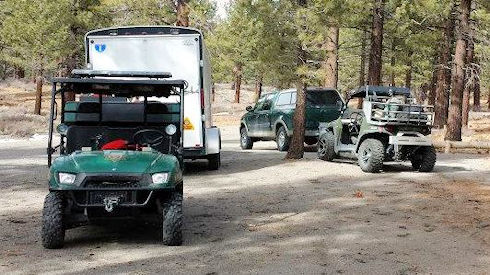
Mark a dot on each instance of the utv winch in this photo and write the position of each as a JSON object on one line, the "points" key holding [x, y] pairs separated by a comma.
{"points": [[121, 152], [391, 126]]}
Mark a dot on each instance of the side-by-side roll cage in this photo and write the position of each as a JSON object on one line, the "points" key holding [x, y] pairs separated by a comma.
{"points": [[112, 83]]}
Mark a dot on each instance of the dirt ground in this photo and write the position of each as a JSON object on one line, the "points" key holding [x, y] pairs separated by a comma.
{"points": [[261, 214]]}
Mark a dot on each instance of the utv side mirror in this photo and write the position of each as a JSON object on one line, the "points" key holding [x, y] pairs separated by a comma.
{"points": [[249, 108], [62, 129]]}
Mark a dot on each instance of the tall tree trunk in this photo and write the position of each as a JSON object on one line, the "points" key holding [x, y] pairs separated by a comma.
{"points": [[443, 73], [39, 94], [375, 62], [408, 73], [431, 94], [476, 87], [331, 64], [393, 63], [237, 72], [455, 109], [469, 83], [296, 146], [362, 68], [182, 13], [258, 88]]}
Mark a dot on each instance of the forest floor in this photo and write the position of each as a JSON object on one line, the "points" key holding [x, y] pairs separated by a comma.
{"points": [[261, 214]]}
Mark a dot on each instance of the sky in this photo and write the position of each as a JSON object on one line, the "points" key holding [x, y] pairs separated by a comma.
{"points": [[221, 4]]}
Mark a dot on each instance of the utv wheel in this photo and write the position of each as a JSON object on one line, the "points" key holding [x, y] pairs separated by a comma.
{"points": [[246, 142], [326, 144], [53, 227], [172, 220], [214, 161], [371, 155], [282, 139], [424, 159]]}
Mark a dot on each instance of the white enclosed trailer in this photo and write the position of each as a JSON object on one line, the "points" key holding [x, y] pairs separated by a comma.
{"points": [[177, 50]]}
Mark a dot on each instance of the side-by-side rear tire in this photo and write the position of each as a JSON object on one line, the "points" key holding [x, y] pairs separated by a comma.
{"points": [[214, 161], [53, 222], [424, 159], [371, 155], [326, 150], [246, 142], [282, 139], [172, 219]]}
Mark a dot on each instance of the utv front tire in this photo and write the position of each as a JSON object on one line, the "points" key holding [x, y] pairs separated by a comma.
{"points": [[172, 217], [214, 161], [371, 155], [424, 159], [282, 139], [246, 142], [326, 143], [53, 223]]}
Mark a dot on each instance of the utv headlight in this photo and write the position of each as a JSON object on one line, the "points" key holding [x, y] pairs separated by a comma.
{"points": [[170, 129], [159, 178], [66, 178]]}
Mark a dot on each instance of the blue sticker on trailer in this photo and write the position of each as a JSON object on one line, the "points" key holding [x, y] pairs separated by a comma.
{"points": [[100, 47]]}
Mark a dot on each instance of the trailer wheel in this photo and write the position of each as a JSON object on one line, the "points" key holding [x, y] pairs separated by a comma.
{"points": [[424, 159], [245, 141], [214, 161], [371, 155], [172, 218], [282, 139], [53, 223]]}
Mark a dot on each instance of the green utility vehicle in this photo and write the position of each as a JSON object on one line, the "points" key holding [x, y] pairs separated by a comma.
{"points": [[391, 126], [121, 152]]}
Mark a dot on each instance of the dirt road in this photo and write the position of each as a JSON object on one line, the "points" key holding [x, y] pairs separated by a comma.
{"points": [[261, 214]]}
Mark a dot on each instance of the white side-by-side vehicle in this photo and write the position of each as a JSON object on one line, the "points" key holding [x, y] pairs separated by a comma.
{"points": [[177, 50]]}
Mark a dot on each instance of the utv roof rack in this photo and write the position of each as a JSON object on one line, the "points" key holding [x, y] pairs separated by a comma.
{"points": [[380, 91], [79, 73]]}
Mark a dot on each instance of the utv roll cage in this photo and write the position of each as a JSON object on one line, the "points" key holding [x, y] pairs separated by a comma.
{"points": [[382, 109], [107, 84]]}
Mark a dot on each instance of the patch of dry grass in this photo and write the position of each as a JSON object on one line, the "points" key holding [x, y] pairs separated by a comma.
{"points": [[18, 121]]}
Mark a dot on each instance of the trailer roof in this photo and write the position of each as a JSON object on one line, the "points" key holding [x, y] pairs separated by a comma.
{"points": [[119, 86]]}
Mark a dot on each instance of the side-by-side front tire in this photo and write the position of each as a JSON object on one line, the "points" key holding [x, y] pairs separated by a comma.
{"points": [[246, 142], [424, 159], [172, 218], [53, 222], [371, 155], [326, 143], [282, 139], [214, 161]]}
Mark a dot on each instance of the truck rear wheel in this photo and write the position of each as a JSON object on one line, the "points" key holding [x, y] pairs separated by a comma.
{"points": [[282, 139], [53, 227], [172, 217], [371, 155], [245, 141], [326, 143], [214, 161], [424, 159]]}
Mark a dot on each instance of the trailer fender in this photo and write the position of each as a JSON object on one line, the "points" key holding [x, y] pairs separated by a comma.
{"points": [[213, 140]]}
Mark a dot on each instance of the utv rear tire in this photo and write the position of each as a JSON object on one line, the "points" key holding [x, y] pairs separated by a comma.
{"points": [[172, 217], [326, 143], [214, 161], [246, 142], [371, 155], [282, 139], [53, 227], [424, 159]]}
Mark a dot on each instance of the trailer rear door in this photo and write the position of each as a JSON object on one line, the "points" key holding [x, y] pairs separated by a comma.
{"points": [[177, 54]]}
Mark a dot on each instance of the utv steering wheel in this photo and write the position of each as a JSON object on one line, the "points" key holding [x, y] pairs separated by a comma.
{"points": [[150, 137], [355, 120]]}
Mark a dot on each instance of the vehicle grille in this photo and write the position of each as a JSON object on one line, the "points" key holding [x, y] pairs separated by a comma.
{"points": [[112, 182]]}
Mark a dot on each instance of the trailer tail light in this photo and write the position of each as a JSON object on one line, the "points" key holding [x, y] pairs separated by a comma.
{"points": [[202, 99]]}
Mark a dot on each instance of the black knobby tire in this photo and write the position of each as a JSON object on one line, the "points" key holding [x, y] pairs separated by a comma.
{"points": [[371, 155], [246, 142], [53, 223], [172, 218], [214, 161], [424, 159], [282, 139], [326, 143]]}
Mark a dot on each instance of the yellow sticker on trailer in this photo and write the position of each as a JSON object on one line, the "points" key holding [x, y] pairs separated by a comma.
{"points": [[187, 124]]}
